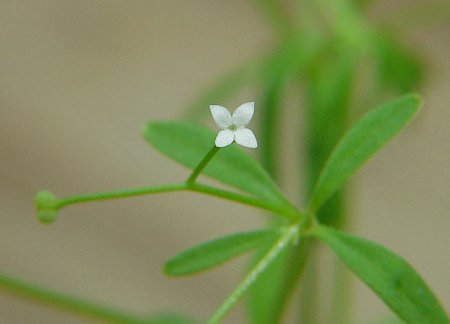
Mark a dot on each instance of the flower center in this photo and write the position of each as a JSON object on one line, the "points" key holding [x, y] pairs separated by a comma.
{"points": [[232, 127]]}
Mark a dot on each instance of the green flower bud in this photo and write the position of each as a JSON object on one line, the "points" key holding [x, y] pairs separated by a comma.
{"points": [[47, 206], [47, 215], [45, 200]]}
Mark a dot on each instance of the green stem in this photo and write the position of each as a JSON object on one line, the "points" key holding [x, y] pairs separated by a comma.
{"points": [[298, 257], [144, 190], [196, 187], [287, 210], [120, 194], [65, 301], [277, 248], [202, 165]]}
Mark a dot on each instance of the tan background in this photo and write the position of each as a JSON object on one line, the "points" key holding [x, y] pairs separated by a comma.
{"points": [[77, 81]]}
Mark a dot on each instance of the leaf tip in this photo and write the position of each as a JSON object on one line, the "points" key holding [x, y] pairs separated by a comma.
{"points": [[415, 99], [166, 269], [171, 270], [146, 129]]}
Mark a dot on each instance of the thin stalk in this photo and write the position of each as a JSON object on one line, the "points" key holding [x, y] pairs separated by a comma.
{"points": [[330, 85], [66, 302], [196, 187], [341, 294], [299, 255], [287, 210], [266, 302], [199, 168], [263, 263], [120, 194]]}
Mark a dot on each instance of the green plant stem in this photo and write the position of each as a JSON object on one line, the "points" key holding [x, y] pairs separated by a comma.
{"points": [[196, 187], [66, 302], [299, 255], [120, 194], [279, 246], [286, 210], [198, 169]]}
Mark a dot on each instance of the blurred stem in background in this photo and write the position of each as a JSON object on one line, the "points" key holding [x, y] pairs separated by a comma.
{"points": [[66, 302], [338, 60]]}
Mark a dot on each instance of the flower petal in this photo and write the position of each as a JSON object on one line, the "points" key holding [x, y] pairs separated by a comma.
{"points": [[221, 116], [245, 137], [224, 138], [243, 114]]}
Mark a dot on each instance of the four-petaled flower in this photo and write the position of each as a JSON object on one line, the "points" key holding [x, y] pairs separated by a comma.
{"points": [[233, 125]]}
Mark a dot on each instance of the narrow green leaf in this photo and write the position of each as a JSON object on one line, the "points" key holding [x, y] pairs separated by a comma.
{"points": [[329, 94], [369, 135], [188, 143], [215, 252], [388, 275]]}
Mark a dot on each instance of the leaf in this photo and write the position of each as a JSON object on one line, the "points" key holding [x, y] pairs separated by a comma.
{"points": [[188, 143], [369, 135], [215, 252], [329, 94], [388, 275]]}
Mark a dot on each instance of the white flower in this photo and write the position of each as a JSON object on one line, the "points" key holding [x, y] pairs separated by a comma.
{"points": [[233, 126]]}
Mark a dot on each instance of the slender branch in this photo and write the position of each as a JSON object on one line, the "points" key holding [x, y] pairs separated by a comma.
{"points": [[277, 248], [66, 302], [120, 194], [286, 210], [141, 191], [196, 187], [199, 168], [299, 255]]}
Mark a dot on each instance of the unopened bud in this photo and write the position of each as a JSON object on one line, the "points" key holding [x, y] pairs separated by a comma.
{"points": [[47, 206], [47, 215]]}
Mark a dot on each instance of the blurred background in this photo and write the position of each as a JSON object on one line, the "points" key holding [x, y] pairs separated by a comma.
{"points": [[78, 80]]}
